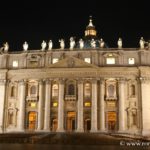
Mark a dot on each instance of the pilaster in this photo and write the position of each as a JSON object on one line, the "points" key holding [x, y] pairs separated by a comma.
{"points": [[2, 103], [121, 104], [21, 114], [47, 105], [94, 106], [80, 106], [61, 106]]}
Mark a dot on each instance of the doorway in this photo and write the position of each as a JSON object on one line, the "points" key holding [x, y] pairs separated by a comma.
{"points": [[32, 119], [71, 123], [111, 120], [87, 126], [54, 124]]}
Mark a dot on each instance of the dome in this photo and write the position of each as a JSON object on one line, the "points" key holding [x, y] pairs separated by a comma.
{"points": [[91, 40], [90, 29]]}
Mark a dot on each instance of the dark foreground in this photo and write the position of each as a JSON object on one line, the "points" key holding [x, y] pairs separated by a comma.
{"points": [[70, 141], [68, 147]]}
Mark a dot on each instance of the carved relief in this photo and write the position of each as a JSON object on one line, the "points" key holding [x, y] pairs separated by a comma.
{"points": [[71, 63], [70, 105], [33, 60]]}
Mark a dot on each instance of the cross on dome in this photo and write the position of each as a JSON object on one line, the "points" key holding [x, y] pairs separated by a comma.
{"points": [[90, 21]]}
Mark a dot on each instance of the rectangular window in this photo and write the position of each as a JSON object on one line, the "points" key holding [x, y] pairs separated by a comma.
{"points": [[15, 63], [131, 61], [55, 60], [88, 60], [110, 60], [55, 104], [32, 104], [87, 104]]}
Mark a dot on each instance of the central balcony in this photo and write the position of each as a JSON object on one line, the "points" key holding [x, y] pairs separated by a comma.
{"points": [[70, 97]]}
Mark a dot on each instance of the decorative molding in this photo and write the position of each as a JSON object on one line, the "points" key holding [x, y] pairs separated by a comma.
{"points": [[113, 54]]}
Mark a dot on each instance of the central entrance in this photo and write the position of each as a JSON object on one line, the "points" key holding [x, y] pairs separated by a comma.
{"points": [[112, 119], [32, 117], [71, 115]]}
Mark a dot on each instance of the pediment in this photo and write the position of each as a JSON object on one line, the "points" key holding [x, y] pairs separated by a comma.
{"points": [[72, 62]]}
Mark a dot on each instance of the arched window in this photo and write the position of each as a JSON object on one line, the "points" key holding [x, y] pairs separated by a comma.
{"points": [[111, 90], [33, 90], [55, 90], [87, 90], [132, 90], [71, 89], [13, 91]]}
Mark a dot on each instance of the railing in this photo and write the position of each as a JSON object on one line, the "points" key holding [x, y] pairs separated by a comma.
{"points": [[70, 97], [32, 98]]}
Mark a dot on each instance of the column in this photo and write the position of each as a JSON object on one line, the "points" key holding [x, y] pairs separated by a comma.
{"points": [[40, 106], [47, 105], [102, 105], [145, 101], [22, 96], [61, 107], [2, 102], [94, 106], [121, 104], [80, 107]]}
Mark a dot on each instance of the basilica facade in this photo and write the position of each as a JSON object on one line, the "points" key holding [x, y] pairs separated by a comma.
{"points": [[88, 87]]}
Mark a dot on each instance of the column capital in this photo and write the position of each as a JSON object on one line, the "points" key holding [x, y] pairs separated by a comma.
{"points": [[48, 81], [102, 81], [2, 81], [61, 80], [22, 82], [122, 80], [80, 81], [94, 80], [144, 80], [41, 81]]}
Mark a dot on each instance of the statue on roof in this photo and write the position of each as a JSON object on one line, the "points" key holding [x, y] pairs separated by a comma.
{"points": [[149, 44], [72, 43], [25, 46], [6, 47], [43, 45], [142, 43], [62, 43], [81, 44], [50, 45], [119, 43], [101, 43], [93, 43]]}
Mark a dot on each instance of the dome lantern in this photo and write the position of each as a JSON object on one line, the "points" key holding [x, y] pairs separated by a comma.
{"points": [[90, 29]]}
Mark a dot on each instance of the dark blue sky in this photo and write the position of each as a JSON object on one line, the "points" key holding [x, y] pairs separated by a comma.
{"points": [[34, 21]]}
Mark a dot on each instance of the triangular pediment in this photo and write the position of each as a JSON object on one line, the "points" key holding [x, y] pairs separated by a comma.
{"points": [[72, 62]]}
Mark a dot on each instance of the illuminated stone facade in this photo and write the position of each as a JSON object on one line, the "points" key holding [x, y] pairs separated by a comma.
{"points": [[78, 90]]}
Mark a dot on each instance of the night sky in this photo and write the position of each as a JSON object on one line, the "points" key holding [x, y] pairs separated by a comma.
{"points": [[34, 21]]}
